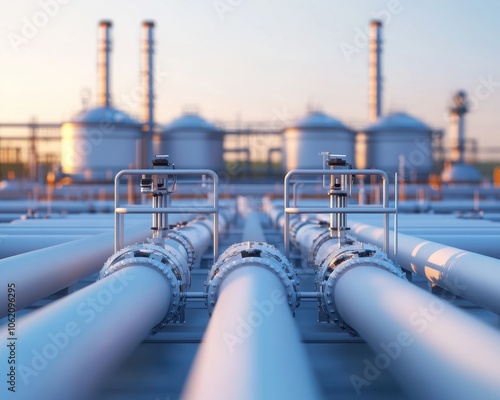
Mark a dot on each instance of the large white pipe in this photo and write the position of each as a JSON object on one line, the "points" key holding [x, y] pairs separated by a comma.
{"points": [[39, 231], [14, 245], [103, 63], [433, 349], [375, 79], [40, 273], [251, 349], [469, 275], [486, 245], [131, 301], [413, 333], [148, 92], [65, 350]]}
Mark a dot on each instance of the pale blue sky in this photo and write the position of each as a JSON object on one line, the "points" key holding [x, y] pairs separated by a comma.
{"points": [[257, 59]]}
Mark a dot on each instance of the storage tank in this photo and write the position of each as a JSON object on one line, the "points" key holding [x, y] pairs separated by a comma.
{"points": [[315, 133], [193, 143], [98, 143], [395, 140], [460, 173]]}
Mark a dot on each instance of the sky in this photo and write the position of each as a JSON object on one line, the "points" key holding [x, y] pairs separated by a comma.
{"points": [[256, 60]]}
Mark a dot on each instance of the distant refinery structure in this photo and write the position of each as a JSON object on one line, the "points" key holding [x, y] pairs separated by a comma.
{"points": [[99, 142], [342, 272]]}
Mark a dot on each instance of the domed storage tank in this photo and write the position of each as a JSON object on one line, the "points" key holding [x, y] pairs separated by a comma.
{"points": [[394, 135], [98, 143], [460, 173], [315, 133], [193, 143]]}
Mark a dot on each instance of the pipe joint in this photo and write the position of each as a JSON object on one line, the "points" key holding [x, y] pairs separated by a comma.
{"points": [[182, 239], [319, 241], [295, 226], [252, 254], [159, 259], [337, 263]]}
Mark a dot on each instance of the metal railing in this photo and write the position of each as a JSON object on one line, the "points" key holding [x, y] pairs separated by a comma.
{"points": [[122, 209], [373, 209]]}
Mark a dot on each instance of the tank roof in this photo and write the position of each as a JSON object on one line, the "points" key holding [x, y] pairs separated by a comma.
{"points": [[398, 121], [103, 115], [461, 173], [190, 121], [318, 119]]}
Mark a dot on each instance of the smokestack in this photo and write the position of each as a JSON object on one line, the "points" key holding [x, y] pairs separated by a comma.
{"points": [[375, 84], [457, 128], [148, 91], [103, 63]]}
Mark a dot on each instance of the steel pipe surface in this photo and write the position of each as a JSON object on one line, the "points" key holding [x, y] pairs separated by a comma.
{"points": [[14, 245], [433, 349], [252, 229], [40, 273], [252, 348], [64, 350], [469, 275]]}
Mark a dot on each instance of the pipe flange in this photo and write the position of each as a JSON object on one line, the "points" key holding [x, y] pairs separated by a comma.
{"points": [[342, 254], [294, 227], [157, 258], [328, 288], [319, 241], [179, 237], [179, 264], [315, 246], [252, 253]]}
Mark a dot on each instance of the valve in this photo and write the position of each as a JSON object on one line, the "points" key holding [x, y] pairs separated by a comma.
{"points": [[339, 189], [160, 186]]}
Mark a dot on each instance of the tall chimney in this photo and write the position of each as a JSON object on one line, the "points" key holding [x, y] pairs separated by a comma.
{"points": [[457, 128], [375, 84], [103, 59], [148, 92]]}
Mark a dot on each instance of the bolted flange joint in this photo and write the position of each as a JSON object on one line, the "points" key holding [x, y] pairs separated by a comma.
{"points": [[159, 259], [252, 253], [178, 236], [337, 263]]}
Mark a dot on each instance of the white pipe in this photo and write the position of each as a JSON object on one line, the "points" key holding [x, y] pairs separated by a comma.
{"points": [[138, 292], [433, 349], [252, 230], [414, 334], [103, 63], [469, 275], [148, 91], [14, 245], [40, 273], [375, 71], [486, 245], [65, 350], [251, 349], [25, 231]]}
